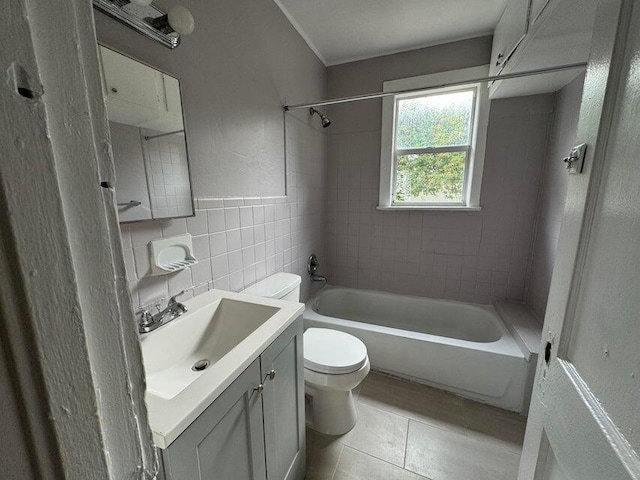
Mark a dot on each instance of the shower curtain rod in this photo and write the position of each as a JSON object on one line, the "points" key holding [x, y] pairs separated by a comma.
{"points": [[151, 137], [371, 96]]}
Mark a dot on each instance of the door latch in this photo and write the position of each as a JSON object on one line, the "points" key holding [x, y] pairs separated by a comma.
{"points": [[575, 161]]}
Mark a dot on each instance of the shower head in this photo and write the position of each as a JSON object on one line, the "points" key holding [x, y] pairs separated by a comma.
{"points": [[325, 121]]}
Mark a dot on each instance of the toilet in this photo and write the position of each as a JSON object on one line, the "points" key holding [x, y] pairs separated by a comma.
{"points": [[334, 363]]}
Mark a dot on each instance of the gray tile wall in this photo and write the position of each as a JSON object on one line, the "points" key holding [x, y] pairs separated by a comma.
{"points": [[553, 194], [239, 241], [477, 257]]}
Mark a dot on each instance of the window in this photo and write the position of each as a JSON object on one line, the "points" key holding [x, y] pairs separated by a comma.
{"points": [[433, 143]]}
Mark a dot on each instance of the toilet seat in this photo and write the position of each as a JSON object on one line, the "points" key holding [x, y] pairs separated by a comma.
{"points": [[333, 352]]}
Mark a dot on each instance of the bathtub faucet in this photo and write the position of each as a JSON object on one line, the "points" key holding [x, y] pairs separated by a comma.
{"points": [[312, 268], [318, 278]]}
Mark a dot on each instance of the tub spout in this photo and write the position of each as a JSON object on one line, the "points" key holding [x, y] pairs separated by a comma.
{"points": [[318, 278]]}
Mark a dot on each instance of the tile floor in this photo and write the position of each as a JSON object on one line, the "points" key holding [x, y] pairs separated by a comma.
{"points": [[407, 431]]}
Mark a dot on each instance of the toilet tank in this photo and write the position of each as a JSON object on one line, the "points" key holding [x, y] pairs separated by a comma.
{"points": [[280, 286]]}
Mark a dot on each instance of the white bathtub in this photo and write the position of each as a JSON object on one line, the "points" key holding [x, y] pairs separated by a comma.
{"points": [[460, 347]]}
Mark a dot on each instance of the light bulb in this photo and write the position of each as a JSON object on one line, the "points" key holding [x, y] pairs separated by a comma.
{"points": [[181, 20], [142, 3]]}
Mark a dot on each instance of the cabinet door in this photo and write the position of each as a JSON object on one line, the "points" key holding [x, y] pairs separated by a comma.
{"points": [[226, 442], [131, 81], [510, 31], [537, 6], [133, 91], [283, 405]]}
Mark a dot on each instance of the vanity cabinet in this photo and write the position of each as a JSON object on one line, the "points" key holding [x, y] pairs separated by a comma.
{"points": [[255, 429], [283, 405]]}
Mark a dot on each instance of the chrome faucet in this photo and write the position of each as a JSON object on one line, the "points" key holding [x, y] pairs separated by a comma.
{"points": [[318, 278], [148, 322], [312, 268]]}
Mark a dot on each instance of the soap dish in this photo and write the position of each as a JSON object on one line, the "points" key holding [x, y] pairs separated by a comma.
{"points": [[171, 254]]}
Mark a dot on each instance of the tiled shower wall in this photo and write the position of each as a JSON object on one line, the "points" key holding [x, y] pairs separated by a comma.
{"points": [[553, 194], [239, 241], [477, 256]]}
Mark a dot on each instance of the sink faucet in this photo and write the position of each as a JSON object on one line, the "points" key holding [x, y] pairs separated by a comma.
{"points": [[148, 322]]}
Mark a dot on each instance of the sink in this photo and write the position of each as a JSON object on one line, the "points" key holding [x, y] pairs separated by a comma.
{"points": [[176, 355], [190, 361]]}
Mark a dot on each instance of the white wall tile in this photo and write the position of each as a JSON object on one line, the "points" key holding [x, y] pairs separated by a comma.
{"points": [[216, 220], [232, 218], [218, 243], [201, 272], [198, 224], [201, 247], [235, 239]]}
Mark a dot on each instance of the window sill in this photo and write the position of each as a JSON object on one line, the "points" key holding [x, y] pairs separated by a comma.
{"points": [[432, 208]]}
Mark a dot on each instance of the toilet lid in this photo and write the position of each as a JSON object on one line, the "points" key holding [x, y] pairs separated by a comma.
{"points": [[332, 351]]}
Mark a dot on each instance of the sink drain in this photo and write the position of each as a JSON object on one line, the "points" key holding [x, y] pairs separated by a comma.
{"points": [[200, 365]]}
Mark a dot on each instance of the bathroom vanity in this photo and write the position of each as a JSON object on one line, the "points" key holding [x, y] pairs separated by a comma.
{"points": [[242, 416]]}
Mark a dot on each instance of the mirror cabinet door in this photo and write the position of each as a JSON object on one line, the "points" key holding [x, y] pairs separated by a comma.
{"points": [[148, 139]]}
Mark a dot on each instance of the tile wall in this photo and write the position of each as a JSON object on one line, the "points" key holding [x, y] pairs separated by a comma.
{"points": [[239, 241], [476, 257], [169, 188], [553, 194]]}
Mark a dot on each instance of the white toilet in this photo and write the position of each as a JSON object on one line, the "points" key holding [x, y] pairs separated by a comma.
{"points": [[334, 363]]}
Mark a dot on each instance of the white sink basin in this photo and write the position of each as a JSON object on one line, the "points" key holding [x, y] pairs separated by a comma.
{"points": [[229, 331], [172, 353]]}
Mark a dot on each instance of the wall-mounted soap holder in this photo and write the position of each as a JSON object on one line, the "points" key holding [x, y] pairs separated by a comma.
{"points": [[172, 254]]}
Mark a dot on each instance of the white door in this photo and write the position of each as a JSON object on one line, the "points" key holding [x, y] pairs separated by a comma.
{"points": [[584, 421]]}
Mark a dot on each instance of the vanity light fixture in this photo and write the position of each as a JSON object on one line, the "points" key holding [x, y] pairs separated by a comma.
{"points": [[179, 19], [146, 18]]}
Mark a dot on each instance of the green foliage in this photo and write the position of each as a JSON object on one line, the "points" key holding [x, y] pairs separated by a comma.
{"points": [[432, 121], [430, 177]]}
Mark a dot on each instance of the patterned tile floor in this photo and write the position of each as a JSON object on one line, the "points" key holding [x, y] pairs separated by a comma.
{"points": [[407, 431]]}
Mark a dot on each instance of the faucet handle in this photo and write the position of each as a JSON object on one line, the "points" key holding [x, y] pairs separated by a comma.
{"points": [[172, 300], [173, 304], [144, 318]]}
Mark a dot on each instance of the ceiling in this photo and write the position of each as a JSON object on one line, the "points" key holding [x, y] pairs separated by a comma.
{"points": [[341, 31]]}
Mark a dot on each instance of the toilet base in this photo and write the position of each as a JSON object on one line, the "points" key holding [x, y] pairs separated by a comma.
{"points": [[333, 412]]}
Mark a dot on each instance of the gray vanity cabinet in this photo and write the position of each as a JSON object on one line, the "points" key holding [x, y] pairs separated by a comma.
{"points": [[255, 429], [283, 405], [226, 441]]}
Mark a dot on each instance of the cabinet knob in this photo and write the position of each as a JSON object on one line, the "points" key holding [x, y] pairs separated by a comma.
{"points": [[114, 89], [259, 389], [271, 374]]}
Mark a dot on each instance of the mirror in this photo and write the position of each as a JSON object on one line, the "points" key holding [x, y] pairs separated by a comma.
{"points": [[148, 139]]}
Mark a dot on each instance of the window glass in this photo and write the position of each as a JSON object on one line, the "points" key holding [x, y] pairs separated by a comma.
{"points": [[434, 120], [430, 177]]}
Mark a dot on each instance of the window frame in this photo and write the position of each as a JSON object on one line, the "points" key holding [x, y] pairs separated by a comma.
{"points": [[474, 161], [466, 148]]}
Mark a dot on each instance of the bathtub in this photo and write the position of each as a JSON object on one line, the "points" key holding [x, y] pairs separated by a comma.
{"points": [[463, 348]]}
